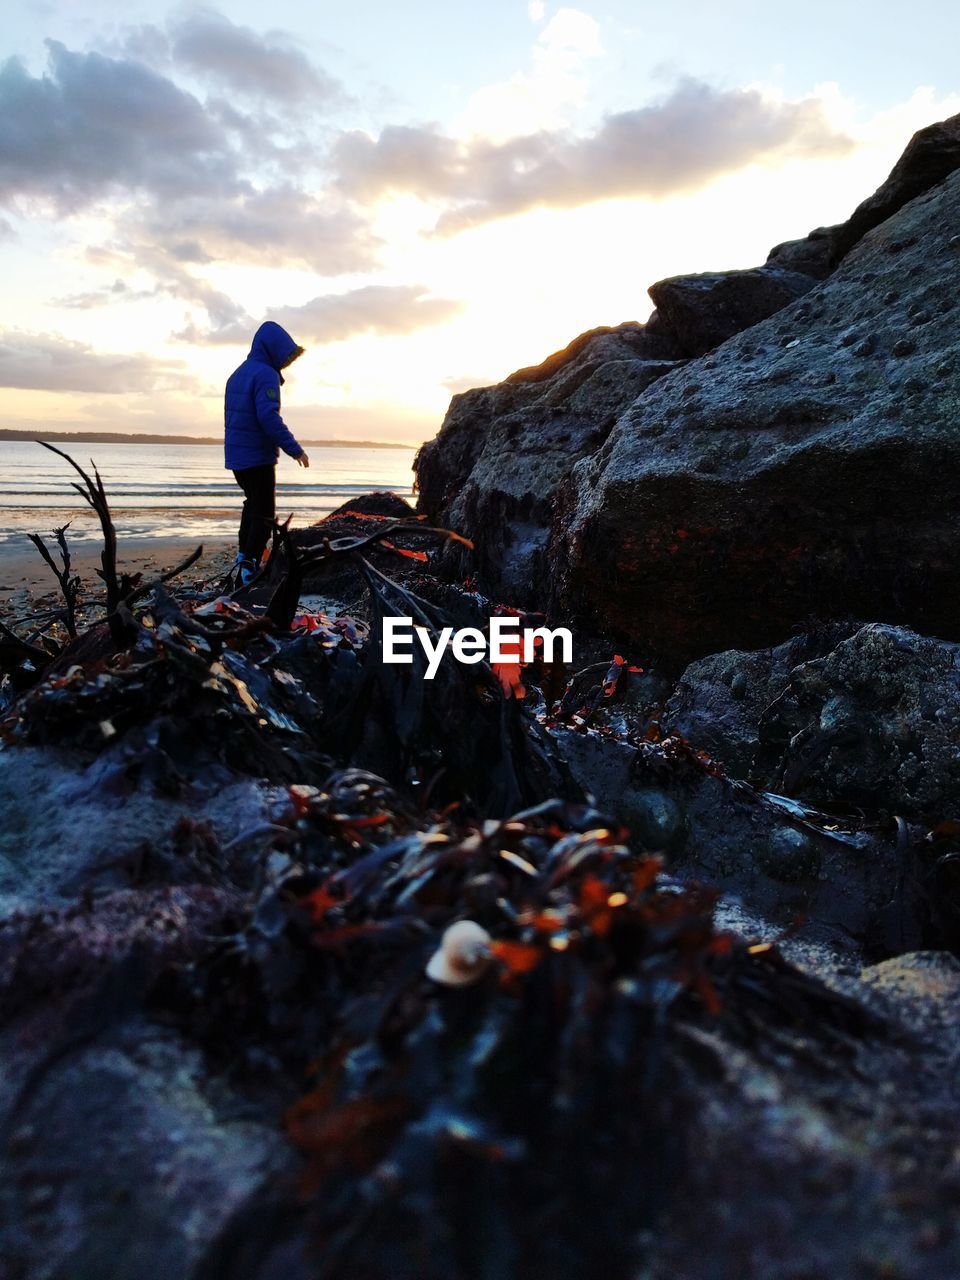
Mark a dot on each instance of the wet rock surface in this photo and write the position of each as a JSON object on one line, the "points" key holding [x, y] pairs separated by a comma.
{"points": [[734, 501], [720, 701]]}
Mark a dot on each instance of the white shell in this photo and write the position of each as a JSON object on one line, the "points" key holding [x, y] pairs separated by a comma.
{"points": [[463, 955]]}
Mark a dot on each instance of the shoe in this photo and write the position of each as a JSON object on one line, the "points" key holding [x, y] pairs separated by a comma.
{"points": [[245, 569]]}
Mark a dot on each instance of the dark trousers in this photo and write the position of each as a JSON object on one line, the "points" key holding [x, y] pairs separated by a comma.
{"points": [[260, 504]]}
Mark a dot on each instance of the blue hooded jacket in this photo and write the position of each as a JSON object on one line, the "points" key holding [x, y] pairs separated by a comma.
{"points": [[254, 432]]}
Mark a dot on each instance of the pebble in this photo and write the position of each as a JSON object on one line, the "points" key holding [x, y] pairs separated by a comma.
{"points": [[654, 818], [789, 855]]}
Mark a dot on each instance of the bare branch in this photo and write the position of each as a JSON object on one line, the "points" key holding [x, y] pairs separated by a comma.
{"points": [[69, 584], [139, 592], [94, 494], [14, 651]]}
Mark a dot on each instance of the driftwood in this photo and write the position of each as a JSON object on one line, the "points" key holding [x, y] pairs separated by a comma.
{"points": [[26, 659], [94, 494], [69, 582]]}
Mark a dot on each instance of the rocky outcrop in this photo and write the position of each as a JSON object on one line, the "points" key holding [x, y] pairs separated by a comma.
{"points": [[867, 343], [720, 701], [701, 311], [809, 468], [872, 722], [502, 451], [125, 1154], [811, 256], [931, 156]]}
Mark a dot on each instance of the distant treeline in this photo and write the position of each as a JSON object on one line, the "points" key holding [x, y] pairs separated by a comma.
{"points": [[116, 437]]}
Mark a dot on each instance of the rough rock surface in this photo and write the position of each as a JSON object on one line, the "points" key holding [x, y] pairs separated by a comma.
{"points": [[123, 1154], [811, 256], [932, 154], [96, 828], [720, 701], [809, 468], [502, 451], [844, 373], [701, 311], [874, 722]]}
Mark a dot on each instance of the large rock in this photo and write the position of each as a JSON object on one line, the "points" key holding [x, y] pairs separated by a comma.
{"points": [[125, 1154], [721, 701], [809, 468], [701, 311], [502, 451], [932, 154], [811, 256], [869, 720]]}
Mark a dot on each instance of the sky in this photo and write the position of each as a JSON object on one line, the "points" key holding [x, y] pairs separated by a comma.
{"points": [[428, 195]]}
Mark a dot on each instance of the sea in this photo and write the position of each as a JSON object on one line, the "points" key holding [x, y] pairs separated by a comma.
{"points": [[168, 490]]}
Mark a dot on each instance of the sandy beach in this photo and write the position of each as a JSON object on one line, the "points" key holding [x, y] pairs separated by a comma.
{"points": [[26, 582]]}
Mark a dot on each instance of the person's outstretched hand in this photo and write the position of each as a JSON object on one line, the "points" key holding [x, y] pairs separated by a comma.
{"points": [[303, 461]]}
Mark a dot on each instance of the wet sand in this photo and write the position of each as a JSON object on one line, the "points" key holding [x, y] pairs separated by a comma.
{"points": [[26, 581]]}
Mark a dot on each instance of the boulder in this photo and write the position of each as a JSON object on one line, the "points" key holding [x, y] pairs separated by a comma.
{"points": [[502, 451], [806, 470], [812, 256], [380, 502], [701, 311], [932, 154], [125, 1153], [870, 722], [874, 724], [720, 701], [500, 466]]}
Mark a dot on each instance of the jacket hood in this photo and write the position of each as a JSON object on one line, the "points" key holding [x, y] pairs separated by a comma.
{"points": [[273, 345]]}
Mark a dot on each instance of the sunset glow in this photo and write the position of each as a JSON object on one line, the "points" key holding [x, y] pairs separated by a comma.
{"points": [[222, 173]]}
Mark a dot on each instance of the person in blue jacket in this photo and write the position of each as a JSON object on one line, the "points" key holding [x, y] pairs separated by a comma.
{"points": [[254, 434]]}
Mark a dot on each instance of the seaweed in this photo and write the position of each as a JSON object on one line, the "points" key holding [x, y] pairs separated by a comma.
{"points": [[522, 1122]]}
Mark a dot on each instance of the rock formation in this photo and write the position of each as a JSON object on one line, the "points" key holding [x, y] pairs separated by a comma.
{"points": [[503, 451], [804, 468]]}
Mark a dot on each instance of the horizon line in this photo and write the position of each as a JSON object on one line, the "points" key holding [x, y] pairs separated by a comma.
{"points": [[108, 437]]}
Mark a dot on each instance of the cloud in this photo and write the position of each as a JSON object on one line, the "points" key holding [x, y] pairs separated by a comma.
{"points": [[119, 291], [681, 143], [544, 94], [187, 183], [93, 126], [46, 362], [278, 226], [268, 66], [381, 309]]}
